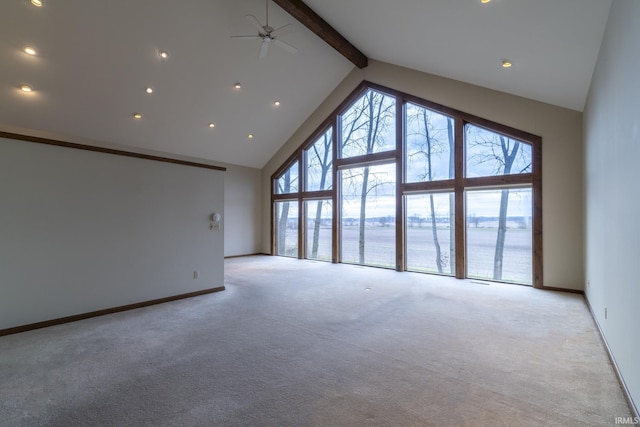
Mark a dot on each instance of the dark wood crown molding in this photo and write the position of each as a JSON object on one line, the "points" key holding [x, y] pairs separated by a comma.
{"points": [[47, 141]]}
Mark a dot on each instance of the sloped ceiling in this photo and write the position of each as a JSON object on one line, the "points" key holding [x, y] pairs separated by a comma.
{"points": [[553, 44], [95, 59]]}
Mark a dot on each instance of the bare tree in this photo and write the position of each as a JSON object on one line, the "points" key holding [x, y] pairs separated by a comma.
{"points": [[452, 198], [509, 153], [322, 160], [428, 145], [366, 122], [499, 155], [285, 184]]}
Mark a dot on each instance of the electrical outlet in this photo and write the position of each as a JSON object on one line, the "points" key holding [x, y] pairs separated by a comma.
{"points": [[196, 274]]}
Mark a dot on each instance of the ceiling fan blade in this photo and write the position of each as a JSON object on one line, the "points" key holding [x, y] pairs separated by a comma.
{"points": [[285, 29], [264, 47], [254, 21], [285, 46], [246, 37]]}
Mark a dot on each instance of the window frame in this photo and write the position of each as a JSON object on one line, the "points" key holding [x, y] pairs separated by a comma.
{"points": [[457, 185]]}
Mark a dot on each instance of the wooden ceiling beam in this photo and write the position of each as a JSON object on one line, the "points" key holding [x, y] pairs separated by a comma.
{"points": [[322, 29]]}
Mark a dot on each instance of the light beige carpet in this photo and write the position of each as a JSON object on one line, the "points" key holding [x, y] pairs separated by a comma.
{"points": [[300, 343]]}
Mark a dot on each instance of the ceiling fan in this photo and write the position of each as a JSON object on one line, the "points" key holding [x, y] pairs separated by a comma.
{"points": [[268, 34]]}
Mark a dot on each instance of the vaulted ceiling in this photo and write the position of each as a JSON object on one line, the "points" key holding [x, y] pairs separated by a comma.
{"points": [[96, 58]]}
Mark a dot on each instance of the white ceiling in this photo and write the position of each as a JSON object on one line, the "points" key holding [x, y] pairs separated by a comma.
{"points": [[96, 57], [553, 44]]}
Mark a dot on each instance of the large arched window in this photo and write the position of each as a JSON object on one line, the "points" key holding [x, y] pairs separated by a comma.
{"points": [[394, 181]]}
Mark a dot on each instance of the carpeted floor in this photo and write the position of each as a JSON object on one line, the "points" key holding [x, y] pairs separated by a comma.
{"points": [[301, 343]]}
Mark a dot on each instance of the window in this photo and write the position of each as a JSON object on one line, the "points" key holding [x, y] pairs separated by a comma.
{"points": [[430, 233], [429, 145], [319, 229], [287, 226], [394, 181], [368, 126], [318, 159], [499, 240], [490, 153], [288, 182], [368, 215]]}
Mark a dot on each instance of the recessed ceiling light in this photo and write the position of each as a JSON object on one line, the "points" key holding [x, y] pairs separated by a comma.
{"points": [[137, 116], [26, 88], [250, 136], [212, 125], [29, 50], [277, 103], [506, 63], [163, 54], [36, 3], [148, 90], [237, 86]]}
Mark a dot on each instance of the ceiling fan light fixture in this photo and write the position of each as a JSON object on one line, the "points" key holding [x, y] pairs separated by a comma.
{"points": [[268, 34], [37, 3], [237, 86], [26, 88], [212, 125], [250, 136], [163, 54], [137, 116], [484, 1], [148, 90], [276, 103], [506, 63], [30, 51]]}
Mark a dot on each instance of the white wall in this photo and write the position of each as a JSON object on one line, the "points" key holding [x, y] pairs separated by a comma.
{"points": [[612, 225], [83, 231], [242, 202], [560, 129]]}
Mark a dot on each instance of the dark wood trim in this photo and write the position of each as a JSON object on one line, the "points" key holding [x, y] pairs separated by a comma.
{"points": [[458, 185], [428, 186], [336, 254], [498, 127], [286, 165], [406, 97], [298, 153], [332, 120], [348, 102], [307, 17], [537, 265], [104, 150], [314, 195], [320, 131], [273, 242], [535, 179], [452, 112], [459, 204], [499, 180], [245, 255], [62, 320], [400, 205], [366, 159], [289, 197], [623, 385], [551, 288], [302, 229]]}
